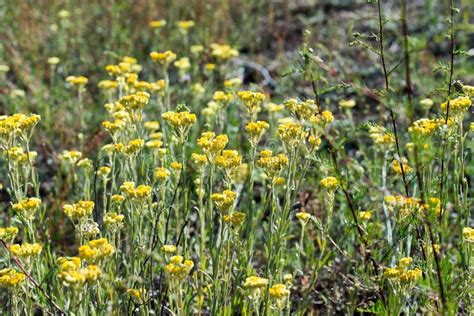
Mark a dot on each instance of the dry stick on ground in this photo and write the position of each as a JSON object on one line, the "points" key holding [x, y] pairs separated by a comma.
{"points": [[35, 283]]}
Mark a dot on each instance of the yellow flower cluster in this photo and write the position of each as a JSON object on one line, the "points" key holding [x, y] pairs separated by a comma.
{"points": [[19, 156], [169, 249], [71, 274], [10, 278], [79, 210], [252, 100], [140, 192], [255, 282], [26, 250], [398, 164], [134, 102], [425, 127], [229, 159], [161, 173], [179, 119], [404, 205], [182, 64], [291, 133], [163, 58], [346, 104], [137, 294], [433, 205], [329, 183], [17, 124], [278, 291], [256, 131], [224, 201], [70, 156], [185, 25], [322, 119], [157, 24], [113, 221], [303, 217], [302, 110], [457, 106], [401, 273], [272, 165], [77, 80], [211, 144], [96, 250], [468, 234], [236, 219], [8, 234], [133, 147], [178, 268], [380, 136], [27, 207], [365, 215], [223, 51], [222, 97]]}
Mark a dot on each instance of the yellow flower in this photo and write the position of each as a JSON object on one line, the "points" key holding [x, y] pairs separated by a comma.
{"points": [[224, 201], [178, 268], [77, 81], [79, 210], [457, 106], [96, 250], [18, 155], [27, 207], [380, 136], [10, 278], [211, 144], [329, 183], [113, 221], [468, 234], [137, 294], [134, 146], [229, 159], [256, 131], [291, 134], [322, 119], [272, 164], [425, 127], [303, 217], [198, 159], [223, 52], [180, 121], [405, 262], [161, 173], [278, 291], [397, 166], [232, 83], [255, 282], [26, 250], [426, 104], [157, 24], [185, 25], [236, 219], [393, 273], [139, 193], [196, 49], [182, 64], [71, 156], [347, 104], [8, 234], [104, 171], [252, 100], [163, 58], [365, 215], [168, 249], [53, 60], [410, 275]]}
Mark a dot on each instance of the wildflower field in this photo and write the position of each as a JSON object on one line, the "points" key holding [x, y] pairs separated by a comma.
{"points": [[236, 157]]}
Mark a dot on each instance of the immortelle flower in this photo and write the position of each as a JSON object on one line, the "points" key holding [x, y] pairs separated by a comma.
{"points": [[329, 183], [401, 272], [27, 207], [8, 234], [169, 249], [224, 201], [163, 58], [291, 134], [10, 279], [77, 80], [113, 221], [303, 218], [398, 164], [96, 250], [26, 250], [256, 131], [157, 24], [212, 145], [252, 100], [224, 51], [347, 104], [280, 293], [255, 285], [365, 215], [178, 268], [468, 234], [235, 219], [79, 210]]}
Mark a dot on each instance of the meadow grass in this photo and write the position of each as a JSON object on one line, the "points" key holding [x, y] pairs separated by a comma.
{"points": [[197, 177]]}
